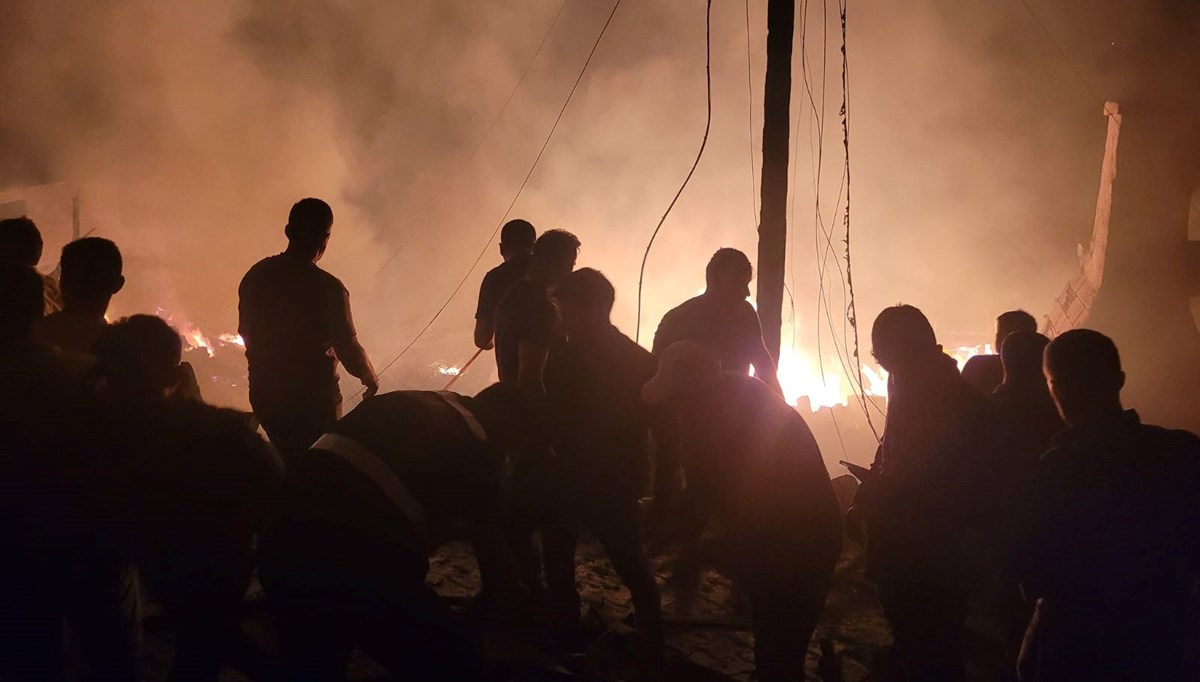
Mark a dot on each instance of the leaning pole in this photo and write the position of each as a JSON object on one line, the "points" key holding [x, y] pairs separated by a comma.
{"points": [[772, 228]]}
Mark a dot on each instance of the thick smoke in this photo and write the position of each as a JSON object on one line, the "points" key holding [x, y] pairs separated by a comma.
{"points": [[975, 150]]}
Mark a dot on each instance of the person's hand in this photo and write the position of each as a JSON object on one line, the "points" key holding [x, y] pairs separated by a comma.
{"points": [[489, 345], [370, 386]]}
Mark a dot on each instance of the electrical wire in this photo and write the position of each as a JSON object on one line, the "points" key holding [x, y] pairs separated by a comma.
{"points": [[528, 175], [457, 177], [700, 154], [750, 120]]}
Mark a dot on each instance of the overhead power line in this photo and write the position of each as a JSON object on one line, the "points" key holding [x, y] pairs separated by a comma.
{"points": [[699, 155], [528, 175], [457, 177]]}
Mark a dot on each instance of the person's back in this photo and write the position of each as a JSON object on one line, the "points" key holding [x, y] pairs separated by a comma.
{"points": [[291, 310], [527, 320], [595, 386], [91, 276], [525, 315], [754, 469], [722, 319], [1026, 414], [1109, 549], [296, 322], [1115, 557], [516, 247], [345, 561]]}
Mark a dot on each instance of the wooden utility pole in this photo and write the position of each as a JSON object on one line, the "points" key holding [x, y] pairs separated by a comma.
{"points": [[772, 228]]}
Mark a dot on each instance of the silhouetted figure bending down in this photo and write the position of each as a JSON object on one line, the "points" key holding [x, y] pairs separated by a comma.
{"points": [[345, 563], [594, 381], [753, 470], [195, 483], [923, 495], [1110, 550], [296, 322], [722, 319], [986, 372], [516, 247]]}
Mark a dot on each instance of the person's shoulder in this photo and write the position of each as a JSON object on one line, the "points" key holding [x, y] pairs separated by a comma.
{"points": [[263, 268], [1176, 441], [981, 363]]}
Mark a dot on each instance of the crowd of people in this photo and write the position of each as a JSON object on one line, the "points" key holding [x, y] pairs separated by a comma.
{"points": [[1023, 479]]}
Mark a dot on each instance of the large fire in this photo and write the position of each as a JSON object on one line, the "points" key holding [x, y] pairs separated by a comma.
{"points": [[827, 385], [806, 382]]}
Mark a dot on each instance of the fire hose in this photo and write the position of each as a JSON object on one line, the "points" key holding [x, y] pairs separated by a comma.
{"points": [[463, 370]]}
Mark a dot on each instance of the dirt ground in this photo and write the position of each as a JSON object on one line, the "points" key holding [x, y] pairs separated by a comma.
{"points": [[708, 639]]}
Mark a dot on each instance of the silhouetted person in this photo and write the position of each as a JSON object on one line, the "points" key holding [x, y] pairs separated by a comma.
{"points": [[754, 471], [62, 561], [722, 319], [985, 372], [198, 482], [516, 248], [527, 325], [90, 277], [296, 322], [1027, 419], [526, 320], [918, 501], [594, 381], [1110, 549], [21, 244], [345, 563]]}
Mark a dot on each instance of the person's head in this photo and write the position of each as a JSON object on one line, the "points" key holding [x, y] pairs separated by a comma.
{"points": [[513, 418], [685, 369], [517, 238], [21, 302], [20, 242], [140, 358], [91, 273], [1012, 322], [585, 300], [1084, 371], [728, 275], [554, 255], [310, 223], [902, 339], [1021, 356]]}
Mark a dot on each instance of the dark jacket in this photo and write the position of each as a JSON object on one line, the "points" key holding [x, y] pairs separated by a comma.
{"points": [[931, 466], [1110, 549]]}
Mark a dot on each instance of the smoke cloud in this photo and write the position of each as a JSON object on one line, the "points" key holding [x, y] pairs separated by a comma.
{"points": [[975, 151]]}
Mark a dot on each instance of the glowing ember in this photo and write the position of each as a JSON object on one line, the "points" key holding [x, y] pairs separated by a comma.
{"points": [[232, 339], [447, 370]]}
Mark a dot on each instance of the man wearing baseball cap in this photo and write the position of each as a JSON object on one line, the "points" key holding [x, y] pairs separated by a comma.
{"points": [[753, 467]]}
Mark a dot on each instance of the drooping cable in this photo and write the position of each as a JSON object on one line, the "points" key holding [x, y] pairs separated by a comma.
{"points": [[516, 197], [478, 146], [750, 119], [699, 154]]}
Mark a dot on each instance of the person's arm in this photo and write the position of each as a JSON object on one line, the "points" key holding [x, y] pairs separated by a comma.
{"points": [[485, 315], [349, 350], [760, 357], [764, 367], [485, 332]]}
